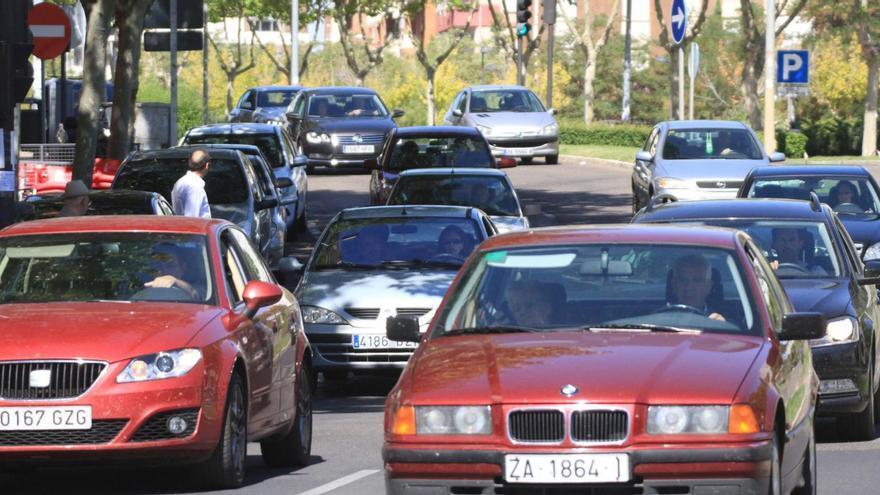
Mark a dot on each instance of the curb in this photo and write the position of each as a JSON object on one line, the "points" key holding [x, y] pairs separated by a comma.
{"points": [[603, 161]]}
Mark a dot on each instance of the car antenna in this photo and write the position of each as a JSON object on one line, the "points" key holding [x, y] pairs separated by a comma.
{"points": [[815, 204]]}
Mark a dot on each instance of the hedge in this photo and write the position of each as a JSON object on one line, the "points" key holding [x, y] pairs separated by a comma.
{"points": [[604, 134]]}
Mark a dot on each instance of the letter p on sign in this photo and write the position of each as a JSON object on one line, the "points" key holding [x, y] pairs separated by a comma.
{"points": [[793, 66]]}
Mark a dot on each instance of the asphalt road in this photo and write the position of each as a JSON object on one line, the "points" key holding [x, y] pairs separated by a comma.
{"points": [[346, 458]]}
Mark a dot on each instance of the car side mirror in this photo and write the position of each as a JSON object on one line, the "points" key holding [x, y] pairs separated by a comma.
{"points": [[506, 162], [872, 273], [291, 116], [776, 157], [246, 105], [258, 294], [300, 161], [397, 113], [403, 328], [644, 156], [531, 210], [283, 182], [371, 164], [266, 203], [803, 326], [289, 264], [551, 111], [456, 112]]}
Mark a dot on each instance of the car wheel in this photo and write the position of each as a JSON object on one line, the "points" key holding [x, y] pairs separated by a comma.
{"points": [[551, 159], [636, 205], [775, 482], [809, 480], [859, 426], [302, 223], [527, 160], [295, 448], [226, 466]]}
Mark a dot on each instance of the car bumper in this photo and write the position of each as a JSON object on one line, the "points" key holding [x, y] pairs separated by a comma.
{"points": [[129, 421], [694, 194], [338, 160], [740, 470], [840, 363], [333, 348], [524, 148]]}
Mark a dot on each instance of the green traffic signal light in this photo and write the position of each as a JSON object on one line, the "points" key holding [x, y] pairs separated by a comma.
{"points": [[523, 29]]}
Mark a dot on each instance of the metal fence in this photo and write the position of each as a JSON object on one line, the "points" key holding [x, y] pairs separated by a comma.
{"points": [[47, 153]]}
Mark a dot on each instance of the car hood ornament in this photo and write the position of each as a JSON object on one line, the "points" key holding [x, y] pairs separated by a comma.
{"points": [[568, 390]]}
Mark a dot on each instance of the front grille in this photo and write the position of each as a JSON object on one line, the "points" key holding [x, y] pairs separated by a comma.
{"points": [[520, 142], [365, 139], [156, 427], [67, 379], [363, 313], [102, 431], [719, 184], [413, 311], [537, 426], [599, 426], [337, 348]]}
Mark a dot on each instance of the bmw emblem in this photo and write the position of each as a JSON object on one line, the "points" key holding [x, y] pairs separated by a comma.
{"points": [[568, 390], [357, 138]]}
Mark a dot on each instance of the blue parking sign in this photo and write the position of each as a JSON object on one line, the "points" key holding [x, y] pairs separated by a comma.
{"points": [[793, 66]]}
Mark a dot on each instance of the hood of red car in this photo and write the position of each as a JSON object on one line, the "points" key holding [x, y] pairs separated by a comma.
{"points": [[618, 367], [107, 331]]}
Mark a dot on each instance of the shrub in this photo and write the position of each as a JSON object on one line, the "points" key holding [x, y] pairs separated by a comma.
{"points": [[603, 134], [795, 144]]}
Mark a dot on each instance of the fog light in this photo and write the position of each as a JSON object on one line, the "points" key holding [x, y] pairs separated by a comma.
{"points": [[334, 162], [176, 425], [837, 386]]}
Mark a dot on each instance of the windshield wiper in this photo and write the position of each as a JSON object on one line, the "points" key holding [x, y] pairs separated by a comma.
{"points": [[420, 262], [346, 265], [490, 329], [640, 326]]}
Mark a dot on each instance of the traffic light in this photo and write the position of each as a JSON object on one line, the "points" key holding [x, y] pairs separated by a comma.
{"points": [[22, 71], [523, 14]]}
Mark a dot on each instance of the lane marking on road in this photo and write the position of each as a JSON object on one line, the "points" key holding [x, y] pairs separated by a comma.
{"points": [[351, 478]]}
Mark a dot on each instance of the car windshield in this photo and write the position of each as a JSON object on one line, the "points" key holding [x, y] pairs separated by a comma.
{"points": [[847, 195], [268, 143], [224, 184], [275, 98], [505, 100], [104, 267], [396, 243], [601, 287], [796, 249], [492, 194], [341, 106], [428, 152], [703, 144], [101, 205]]}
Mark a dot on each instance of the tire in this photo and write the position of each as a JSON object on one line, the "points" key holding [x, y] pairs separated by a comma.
{"points": [[859, 426], [302, 223], [775, 482], [551, 159], [225, 469], [527, 161], [636, 205], [294, 449], [809, 481]]}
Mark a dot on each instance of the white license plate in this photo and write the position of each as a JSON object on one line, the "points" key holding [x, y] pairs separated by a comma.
{"points": [[518, 152], [566, 468], [46, 418], [357, 148], [378, 342]]}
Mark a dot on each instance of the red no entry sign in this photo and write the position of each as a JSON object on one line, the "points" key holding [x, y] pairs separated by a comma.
{"points": [[51, 29]]}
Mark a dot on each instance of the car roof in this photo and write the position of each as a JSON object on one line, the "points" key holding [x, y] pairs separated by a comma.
{"points": [[117, 223], [407, 211], [182, 152], [277, 88], [491, 172], [811, 170], [691, 124], [733, 208], [245, 148], [437, 131], [489, 87], [232, 128], [589, 234], [340, 90]]}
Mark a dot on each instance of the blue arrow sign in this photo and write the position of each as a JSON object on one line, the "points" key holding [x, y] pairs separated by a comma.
{"points": [[678, 20], [793, 66]]}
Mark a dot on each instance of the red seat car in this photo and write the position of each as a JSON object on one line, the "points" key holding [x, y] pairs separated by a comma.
{"points": [[608, 360], [148, 338]]}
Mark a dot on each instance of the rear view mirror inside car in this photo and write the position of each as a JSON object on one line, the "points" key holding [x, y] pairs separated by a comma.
{"points": [[612, 268]]}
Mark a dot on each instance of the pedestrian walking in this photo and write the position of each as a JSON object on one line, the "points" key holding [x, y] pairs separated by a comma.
{"points": [[188, 198], [76, 199]]}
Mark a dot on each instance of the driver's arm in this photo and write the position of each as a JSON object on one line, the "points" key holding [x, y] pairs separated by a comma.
{"points": [[169, 281]]}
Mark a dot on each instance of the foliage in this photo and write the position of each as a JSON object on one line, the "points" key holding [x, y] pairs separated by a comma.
{"points": [[839, 75], [833, 135], [795, 144], [607, 135]]}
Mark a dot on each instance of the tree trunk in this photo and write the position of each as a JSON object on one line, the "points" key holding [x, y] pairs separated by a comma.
{"points": [[869, 132], [589, 95], [750, 95], [230, 87], [673, 83], [99, 14], [429, 93], [130, 21]]}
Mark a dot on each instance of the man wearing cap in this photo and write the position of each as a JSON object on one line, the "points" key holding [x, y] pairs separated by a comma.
{"points": [[76, 199], [188, 197]]}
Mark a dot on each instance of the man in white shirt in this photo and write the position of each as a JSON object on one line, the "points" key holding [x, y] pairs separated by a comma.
{"points": [[188, 197]]}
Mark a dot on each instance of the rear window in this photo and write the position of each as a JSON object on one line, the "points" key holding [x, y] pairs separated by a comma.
{"points": [[268, 143], [224, 184], [427, 152], [100, 206], [491, 194]]}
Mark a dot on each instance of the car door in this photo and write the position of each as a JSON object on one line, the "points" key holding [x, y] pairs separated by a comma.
{"points": [[281, 319], [262, 216], [254, 337], [296, 116], [297, 170], [643, 170], [244, 111]]}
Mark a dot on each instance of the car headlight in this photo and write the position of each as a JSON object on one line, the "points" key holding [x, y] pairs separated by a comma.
{"points": [[315, 314], [550, 130], [334, 139], [674, 420], [486, 131], [838, 331], [168, 364], [315, 138], [873, 252], [453, 420], [670, 183]]}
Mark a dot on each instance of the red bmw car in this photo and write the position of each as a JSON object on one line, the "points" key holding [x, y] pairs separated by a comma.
{"points": [[151, 338], [608, 360]]}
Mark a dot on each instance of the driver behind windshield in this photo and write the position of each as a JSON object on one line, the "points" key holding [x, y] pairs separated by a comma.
{"points": [[530, 303], [168, 262], [691, 284], [453, 243], [791, 248]]}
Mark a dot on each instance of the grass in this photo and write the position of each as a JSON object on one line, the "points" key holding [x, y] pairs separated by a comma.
{"points": [[621, 153], [842, 160]]}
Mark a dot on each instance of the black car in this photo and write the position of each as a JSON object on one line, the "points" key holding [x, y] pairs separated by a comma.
{"points": [[102, 203], [265, 104], [826, 276], [340, 127], [232, 186], [429, 147], [850, 191]]}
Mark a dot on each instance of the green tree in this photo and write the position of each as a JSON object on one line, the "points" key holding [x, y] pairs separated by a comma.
{"points": [[240, 58], [309, 11], [672, 49], [360, 56]]}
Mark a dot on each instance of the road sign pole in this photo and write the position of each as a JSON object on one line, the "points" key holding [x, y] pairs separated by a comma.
{"points": [[678, 27], [770, 77], [680, 83], [172, 124], [627, 61], [294, 42], [550, 39]]}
